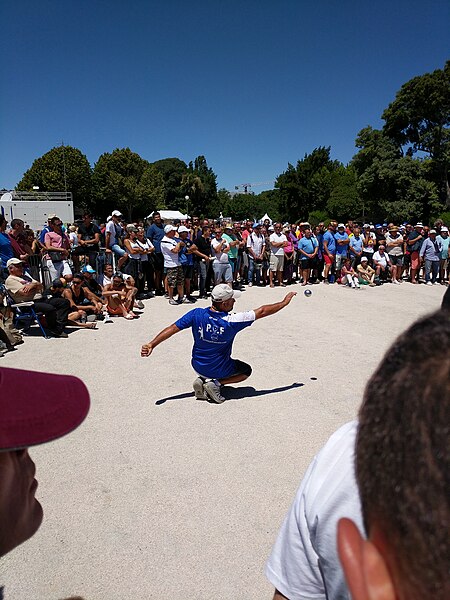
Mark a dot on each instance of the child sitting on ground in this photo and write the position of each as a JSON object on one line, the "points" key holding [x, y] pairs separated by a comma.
{"points": [[348, 275]]}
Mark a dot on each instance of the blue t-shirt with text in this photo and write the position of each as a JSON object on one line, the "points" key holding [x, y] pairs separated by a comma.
{"points": [[213, 333]]}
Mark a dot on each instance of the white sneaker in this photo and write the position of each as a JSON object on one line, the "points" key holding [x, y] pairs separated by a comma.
{"points": [[436, 283], [212, 390], [198, 389], [429, 283], [108, 319]]}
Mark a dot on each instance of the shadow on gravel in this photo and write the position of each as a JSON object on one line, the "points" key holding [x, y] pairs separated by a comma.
{"points": [[236, 393]]}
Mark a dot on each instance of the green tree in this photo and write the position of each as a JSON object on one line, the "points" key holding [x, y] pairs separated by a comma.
{"points": [[151, 190], [307, 186], [419, 120], [389, 184], [344, 202], [202, 181], [61, 168], [117, 183], [172, 171]]}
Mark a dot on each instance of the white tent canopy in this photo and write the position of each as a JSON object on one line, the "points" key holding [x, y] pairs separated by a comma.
{"points": [[266, 216], [169, 215]]}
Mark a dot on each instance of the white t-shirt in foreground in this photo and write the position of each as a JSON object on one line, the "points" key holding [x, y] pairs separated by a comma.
{"points": [[304, 564]]}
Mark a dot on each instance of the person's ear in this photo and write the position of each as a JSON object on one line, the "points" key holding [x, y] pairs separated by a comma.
{"points": [[365, 569]]}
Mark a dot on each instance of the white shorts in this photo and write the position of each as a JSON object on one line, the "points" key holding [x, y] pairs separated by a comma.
{"points": [[58, 269]]}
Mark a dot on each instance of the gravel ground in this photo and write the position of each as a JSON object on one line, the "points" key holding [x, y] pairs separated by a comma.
{"points": [[158, 495]]}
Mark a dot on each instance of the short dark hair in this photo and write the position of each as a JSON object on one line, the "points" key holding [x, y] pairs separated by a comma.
{"points": [[205, 228], [2, 220], [54, 220], [402, 458], [15, 222]]}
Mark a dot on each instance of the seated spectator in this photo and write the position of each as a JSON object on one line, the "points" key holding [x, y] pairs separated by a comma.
{"points": [[81, 298], [119, 297], [402, 472], [348, 275], [106, 277], [90, 282], [57, 245], [36, 408], [366, 274], [73, 237], [381, 263], [22, 288], [75, 317]]}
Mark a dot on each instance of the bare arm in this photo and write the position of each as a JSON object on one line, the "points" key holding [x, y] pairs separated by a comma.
{"points": [[279, 596], [162, 336], [271, 309]]}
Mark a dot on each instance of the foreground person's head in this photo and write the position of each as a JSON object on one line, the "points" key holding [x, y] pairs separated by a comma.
{"points": [[35, 408], [403, 472], [223, 297]]}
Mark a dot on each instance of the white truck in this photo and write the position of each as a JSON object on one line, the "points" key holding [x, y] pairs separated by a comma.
{"points": [[34, 208]]}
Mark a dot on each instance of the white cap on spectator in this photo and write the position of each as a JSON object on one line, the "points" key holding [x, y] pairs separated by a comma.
{"points": [[183, 229], [418, 224], [116, 213], [444, 228], [364, 258], [341, 225], [169, 228], [14, 261], [52, 216], [432, 231], [223, 292]]}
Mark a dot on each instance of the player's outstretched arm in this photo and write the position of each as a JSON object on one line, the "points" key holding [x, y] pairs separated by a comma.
{"points": [[162, 336], [271, 309]]}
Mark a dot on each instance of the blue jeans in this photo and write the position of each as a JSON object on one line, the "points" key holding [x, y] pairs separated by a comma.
{"points": [[251, 269], [431, 266]]}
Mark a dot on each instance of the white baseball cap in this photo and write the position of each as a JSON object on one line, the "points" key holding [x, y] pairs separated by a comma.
{"points": [[341, 225], [116, 213], [364, 258], [14, 261], [183, 229], [223, 292], [444, 228], [169, 228]]}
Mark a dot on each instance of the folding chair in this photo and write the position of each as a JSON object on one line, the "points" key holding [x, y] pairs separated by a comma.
{"points": [[24, 311]]}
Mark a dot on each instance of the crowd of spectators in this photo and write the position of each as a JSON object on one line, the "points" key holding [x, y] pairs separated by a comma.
{"points": [[82, 273]]}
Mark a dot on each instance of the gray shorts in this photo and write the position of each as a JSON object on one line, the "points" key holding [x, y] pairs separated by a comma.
{"points": [[276, 262], [222, 271]]}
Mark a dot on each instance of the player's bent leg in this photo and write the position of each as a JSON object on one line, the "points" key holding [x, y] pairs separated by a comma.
{"points": [[242, 372]]}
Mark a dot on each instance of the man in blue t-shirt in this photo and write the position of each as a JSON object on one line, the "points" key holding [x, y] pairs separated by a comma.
{"points": [[214, 330], [342, 241], [329, 250], [155, 233]]}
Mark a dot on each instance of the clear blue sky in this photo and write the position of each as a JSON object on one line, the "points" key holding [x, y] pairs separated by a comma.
{"points": [[252, 85]]}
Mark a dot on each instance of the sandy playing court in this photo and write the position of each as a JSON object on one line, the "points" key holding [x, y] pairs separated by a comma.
{"points": [[158, 495]]}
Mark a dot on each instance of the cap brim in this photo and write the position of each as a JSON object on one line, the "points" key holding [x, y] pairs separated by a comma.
{"points": [[39, 407]]}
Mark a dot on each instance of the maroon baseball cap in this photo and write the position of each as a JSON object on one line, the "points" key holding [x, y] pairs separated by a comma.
{"points": [[39, 407]]}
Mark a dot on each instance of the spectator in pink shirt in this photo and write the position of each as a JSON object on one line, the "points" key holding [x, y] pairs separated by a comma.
{"points": [[57, 244]]}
